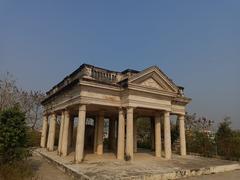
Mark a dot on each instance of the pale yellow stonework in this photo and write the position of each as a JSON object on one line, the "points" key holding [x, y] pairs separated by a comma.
{"points": [[98, 94], [65, 133], [61, 134], [129, 133], [52, 129], [44, 132], [121, 133], [158, 146], [167, 136], [182, 135], [80, 134], [100, 133]]}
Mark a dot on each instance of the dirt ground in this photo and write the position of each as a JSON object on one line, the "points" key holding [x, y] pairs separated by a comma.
{"points": [[45, 171]]}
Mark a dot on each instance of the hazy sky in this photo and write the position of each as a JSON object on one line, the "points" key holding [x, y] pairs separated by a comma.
{"points": [[196, 43]]}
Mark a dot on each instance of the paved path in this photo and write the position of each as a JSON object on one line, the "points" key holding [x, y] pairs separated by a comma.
{"points": [[232, 175], [45, 171]]}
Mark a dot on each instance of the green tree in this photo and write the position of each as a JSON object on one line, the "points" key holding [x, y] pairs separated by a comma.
{"points": [[224, 137], [13, 135], [144, 133], [201, 143], [199, 136], [174, 132]]}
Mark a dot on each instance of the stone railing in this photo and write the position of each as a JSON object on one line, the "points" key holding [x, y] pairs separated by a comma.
{"points": [[101, 74]]}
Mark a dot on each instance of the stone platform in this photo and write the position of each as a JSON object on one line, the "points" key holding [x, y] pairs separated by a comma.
{"points": [[145, 166]]}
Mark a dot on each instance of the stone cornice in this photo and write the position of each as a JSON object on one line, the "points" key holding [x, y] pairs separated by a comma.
{"points": [[181, 100], [99, 85], [63, 104], [144, 104], [151, 90], [99, 101]]}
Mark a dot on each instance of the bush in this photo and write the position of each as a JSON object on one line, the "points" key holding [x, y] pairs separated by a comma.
{"points": [[13, 136], [228, 141], [201, 143], [144, 133]]}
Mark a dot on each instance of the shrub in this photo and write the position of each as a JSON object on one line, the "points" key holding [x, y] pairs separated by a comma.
{"points": [[228, 140], [13, 135], [201, 143], [144, 133]]}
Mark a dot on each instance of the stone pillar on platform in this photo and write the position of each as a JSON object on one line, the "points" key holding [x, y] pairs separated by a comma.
{"points": [[44, 131], [167, 135], [79, 152]]}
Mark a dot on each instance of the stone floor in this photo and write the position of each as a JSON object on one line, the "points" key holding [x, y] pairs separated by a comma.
{"points": [[144, 166]]}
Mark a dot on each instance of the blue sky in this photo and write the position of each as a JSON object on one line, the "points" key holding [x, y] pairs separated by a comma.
{"points": [[196, 43]]}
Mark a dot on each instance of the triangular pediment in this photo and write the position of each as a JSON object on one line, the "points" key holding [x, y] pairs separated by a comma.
{"points": [[150, 82], [154, 78]]}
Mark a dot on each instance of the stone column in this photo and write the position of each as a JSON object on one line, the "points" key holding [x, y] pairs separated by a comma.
{"points": [[95, 135], [100, 133], [52, 130], [61, 134], [80, 134], [167, 135], [135, 135], [182, 135], [129, 140], [48, 136], [158, 145], [121, 135], [65, 133], [44, 131]]}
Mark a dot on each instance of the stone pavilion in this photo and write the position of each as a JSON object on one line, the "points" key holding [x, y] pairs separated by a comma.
{"points": [[121, 97]]}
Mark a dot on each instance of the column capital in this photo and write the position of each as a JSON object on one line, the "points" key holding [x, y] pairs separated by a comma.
{"points": [[82, 107], [120, 108], [167, 112], [181, 117], [130, 109], [45, 117], [66, 112], [54, 114]]}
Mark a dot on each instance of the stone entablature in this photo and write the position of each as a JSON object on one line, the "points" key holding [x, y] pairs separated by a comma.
{"points": [[88, 84]]}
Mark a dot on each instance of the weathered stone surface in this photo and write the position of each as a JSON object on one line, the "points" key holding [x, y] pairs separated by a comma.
{"points": [[145, 166], [96, 93]]}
